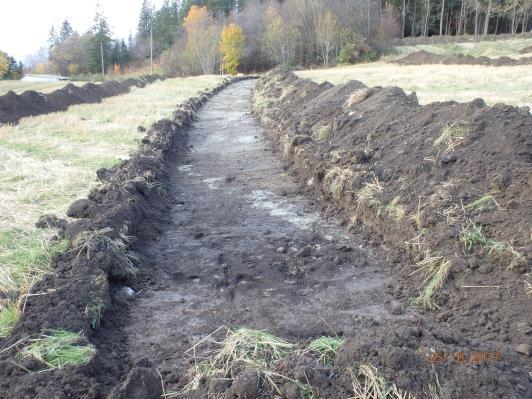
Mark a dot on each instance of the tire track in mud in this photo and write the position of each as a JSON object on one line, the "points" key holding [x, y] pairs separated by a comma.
{"points": [[243, 248]]}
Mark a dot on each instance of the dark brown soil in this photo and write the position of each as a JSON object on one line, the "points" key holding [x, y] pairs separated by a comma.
{"points": [[130, 202], [14, 106], [424, 57], [387, 136], [228, 235]]}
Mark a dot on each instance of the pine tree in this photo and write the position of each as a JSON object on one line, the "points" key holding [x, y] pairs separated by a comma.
{"points": [[101, 40], [53, 40], [165, 27], [147, 15], [66, 31]]}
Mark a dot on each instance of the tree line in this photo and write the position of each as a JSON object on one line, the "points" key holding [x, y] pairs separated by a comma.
{"points": [[208, 36], [10, 68]]}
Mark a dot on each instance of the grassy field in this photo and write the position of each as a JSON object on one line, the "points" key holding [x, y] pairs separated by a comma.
{"points": [[493, 49], [48, 161], [510, 85]]}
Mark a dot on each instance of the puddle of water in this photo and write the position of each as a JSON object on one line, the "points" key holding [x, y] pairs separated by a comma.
{"points": [[281, 208], [184, 168], [212, 182]]}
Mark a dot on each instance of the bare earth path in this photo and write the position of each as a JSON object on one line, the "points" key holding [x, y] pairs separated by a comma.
{"points": [[244, 249]]}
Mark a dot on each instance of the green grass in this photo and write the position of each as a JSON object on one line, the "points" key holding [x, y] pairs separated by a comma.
{"points": [[8, 317], [472, 236], [434, 268], [326, 347], [60, 349], [95, 307], [486, 201]]}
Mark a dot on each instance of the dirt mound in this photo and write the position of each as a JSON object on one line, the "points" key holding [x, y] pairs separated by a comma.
{"points": [[447, 187], [14, 107], [446, 39], [424, 57], [100, 262], [526, 50]]}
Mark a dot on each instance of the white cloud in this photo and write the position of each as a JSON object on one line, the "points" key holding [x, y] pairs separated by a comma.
{"points": [[24, 25]]}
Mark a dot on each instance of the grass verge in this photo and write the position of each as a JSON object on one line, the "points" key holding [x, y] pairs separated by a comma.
{"points": [[60, 349], [47, 161]]}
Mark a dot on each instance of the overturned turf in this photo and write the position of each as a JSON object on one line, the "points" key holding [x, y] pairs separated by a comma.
{"points": [[100, 261], [13, 106], [446, 184], [423, 57]]}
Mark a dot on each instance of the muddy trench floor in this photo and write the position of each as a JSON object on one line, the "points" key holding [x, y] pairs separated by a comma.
{"points": [[244, 247]]}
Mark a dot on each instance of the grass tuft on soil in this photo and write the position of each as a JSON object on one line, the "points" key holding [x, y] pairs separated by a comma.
{"points": [[9, 315], [452, 136], [472, 236], [434, 269], [326, 347], [60, 349], [368, 384]]}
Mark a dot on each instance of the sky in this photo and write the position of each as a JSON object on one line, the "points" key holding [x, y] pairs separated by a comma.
{"points": [[25, 24]]}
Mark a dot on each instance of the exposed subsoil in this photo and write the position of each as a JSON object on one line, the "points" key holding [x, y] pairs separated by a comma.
{"points": [[13, 106], [228, 235], [423, 57]]}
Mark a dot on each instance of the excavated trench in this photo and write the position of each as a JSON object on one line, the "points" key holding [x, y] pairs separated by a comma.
{"points": [[246, 244], [245, 249]]}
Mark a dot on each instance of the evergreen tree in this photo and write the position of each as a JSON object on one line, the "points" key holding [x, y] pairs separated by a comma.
{"points": [[165, 27], [147, 15], [66, 31], [101, 40], [53, 40]]}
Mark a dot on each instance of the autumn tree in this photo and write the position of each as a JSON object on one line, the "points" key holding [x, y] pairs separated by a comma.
{"points": [[4, 65], [281, 37], [231, 47], [328, 35], [202, 40]]}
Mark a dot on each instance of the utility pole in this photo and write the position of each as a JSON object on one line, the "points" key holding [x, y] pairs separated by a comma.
{"points": [[151, 49], [103, 68]]}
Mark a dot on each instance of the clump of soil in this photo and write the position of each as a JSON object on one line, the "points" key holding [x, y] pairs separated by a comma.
{"points": [[446, 185], [100, 262], [13, 107], [423, 57]]}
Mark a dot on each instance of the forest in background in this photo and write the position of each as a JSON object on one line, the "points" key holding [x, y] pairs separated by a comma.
{"points": [[191, 37]]}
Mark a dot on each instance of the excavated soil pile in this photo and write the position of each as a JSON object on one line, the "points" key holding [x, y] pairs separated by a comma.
{"points": [[527, 49], [447, 187], [13, 107], [424, 57], [100, 261]]}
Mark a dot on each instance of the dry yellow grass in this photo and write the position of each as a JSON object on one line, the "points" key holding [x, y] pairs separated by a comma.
{"points": [[462, 83], [48, 161]]}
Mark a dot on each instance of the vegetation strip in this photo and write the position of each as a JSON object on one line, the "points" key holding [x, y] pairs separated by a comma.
{"points": [[99, 248]]}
